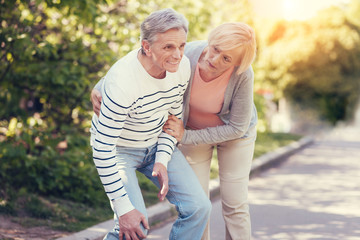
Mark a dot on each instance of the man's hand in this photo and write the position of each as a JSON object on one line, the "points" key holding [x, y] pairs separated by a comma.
{"points": [[95, 98], [160, 172], [174, 127], [129, 225]]}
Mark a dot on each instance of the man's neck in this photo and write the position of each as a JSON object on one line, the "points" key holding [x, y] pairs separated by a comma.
{"points": [[149, 66]]}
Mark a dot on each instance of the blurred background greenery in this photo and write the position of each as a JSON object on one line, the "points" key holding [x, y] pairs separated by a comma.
{"points": [[53, 52]]}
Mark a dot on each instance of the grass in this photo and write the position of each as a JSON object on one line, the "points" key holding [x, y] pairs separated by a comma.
{"points": [[32, 210], [265, 142]]}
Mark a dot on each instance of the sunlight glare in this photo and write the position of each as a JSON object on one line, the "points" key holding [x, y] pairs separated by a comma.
{"points": [[295, 10], [292, 9]]}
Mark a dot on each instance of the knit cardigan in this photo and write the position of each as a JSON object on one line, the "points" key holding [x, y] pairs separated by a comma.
{"points": [[238, 111]]}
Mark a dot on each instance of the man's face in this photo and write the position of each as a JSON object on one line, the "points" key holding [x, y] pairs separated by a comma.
{"points": [[166, 51]]}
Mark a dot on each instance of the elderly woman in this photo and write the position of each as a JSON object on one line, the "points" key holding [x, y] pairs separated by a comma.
{"points": [[219, 113]]}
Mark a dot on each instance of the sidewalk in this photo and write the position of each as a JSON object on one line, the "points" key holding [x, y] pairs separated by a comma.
{"points": [[314, 194], [164, 210]]}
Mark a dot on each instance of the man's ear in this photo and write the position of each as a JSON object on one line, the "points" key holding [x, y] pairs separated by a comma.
{"points": [[146, 47]]}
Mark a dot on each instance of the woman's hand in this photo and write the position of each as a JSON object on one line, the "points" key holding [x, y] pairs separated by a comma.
{"points": [[95, 98], [174, 127]]}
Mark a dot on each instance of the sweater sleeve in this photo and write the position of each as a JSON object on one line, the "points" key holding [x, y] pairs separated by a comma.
{"points": [[99, 84], [166, 142], [241, 112], [114, 109]]}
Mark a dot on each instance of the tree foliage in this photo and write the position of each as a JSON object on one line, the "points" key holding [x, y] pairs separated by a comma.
{"points": [[52, 52], [315, 63]]}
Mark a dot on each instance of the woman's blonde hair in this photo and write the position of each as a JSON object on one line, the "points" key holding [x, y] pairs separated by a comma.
{"points": [[229, 36]]}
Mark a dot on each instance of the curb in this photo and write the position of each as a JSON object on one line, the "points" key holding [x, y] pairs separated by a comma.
{"points": [[276, 157], [164, 210]]}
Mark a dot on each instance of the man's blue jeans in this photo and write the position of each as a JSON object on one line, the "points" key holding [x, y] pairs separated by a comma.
{"points": [[185, 191]]}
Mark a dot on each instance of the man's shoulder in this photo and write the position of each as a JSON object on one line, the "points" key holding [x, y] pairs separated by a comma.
{"points": [[185, 62], [120, 80], [123, 69], [184, 69], [125, 62]]}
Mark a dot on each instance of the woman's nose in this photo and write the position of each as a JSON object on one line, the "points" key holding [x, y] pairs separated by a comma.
{"points": [[215, 58]]}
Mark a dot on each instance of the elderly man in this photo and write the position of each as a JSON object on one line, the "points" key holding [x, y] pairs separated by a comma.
{"points": [[139, 92]]}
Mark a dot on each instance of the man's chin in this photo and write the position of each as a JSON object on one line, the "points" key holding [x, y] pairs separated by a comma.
{"points": [[173, 69]]}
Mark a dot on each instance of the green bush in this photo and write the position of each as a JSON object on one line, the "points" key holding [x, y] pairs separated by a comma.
{"points": [[35, 162], [52, 53]]}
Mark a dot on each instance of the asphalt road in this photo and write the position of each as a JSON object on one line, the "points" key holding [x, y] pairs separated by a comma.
{"points": [[314, 194]]}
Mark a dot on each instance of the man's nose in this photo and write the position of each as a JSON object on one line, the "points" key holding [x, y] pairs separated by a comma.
{"points": [[177, 53]]}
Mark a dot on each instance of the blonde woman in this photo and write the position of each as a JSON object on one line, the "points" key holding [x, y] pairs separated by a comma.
{"points": [[219, 113]]}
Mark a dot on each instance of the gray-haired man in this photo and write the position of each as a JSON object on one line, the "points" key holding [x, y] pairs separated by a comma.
{"points": [[138, 93]]}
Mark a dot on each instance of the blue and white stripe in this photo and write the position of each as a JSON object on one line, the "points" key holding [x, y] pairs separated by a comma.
{"points": [[133, 112]]}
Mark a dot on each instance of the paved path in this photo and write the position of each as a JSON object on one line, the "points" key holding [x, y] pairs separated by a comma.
{"points": [[314, 194], [161, 212]]}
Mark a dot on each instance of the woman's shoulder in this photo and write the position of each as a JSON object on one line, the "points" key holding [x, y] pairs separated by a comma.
{"points": [[193, 51], [238, 82], [194, 47], [194, 44], [248, 74]]}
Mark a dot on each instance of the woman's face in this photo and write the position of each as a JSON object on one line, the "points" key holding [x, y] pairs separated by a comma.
{"points": [[218, 61]]}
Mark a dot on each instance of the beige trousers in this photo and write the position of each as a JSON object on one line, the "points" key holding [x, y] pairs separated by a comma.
{"points": [[234, 158]]}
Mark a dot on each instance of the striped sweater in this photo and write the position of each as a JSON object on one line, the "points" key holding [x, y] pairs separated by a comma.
{"points": [[134, 108]]}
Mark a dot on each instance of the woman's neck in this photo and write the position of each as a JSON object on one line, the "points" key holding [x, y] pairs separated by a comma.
{"points": [[207, 76]]}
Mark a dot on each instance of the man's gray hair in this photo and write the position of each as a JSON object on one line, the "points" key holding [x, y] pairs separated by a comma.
{"points": [[161, 21]]}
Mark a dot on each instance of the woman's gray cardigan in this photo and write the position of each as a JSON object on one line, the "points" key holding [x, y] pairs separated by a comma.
{"points": [[238, 111]]}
